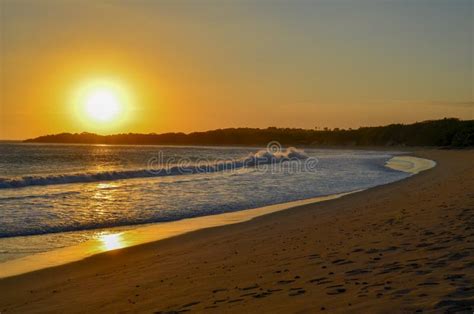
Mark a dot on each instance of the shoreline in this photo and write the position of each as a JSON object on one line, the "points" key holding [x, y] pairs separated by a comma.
{"points": [[275, 252], [137, 235]]}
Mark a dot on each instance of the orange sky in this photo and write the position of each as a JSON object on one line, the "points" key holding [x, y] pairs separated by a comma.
{"points": [[192, 65]]}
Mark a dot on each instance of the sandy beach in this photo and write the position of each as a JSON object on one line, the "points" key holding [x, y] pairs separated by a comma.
{"points": [[407, 246]]}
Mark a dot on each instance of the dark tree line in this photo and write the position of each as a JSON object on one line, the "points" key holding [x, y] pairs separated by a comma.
{"points": [[445, 133]]}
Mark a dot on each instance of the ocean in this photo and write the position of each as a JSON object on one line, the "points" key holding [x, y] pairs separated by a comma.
{"points": [[55, 195]]}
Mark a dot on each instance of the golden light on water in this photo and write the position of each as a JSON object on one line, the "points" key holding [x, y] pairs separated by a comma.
{"points": [[112, 241]]}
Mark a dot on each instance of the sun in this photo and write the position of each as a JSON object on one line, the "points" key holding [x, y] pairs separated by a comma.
{"points": [[102, 105]]}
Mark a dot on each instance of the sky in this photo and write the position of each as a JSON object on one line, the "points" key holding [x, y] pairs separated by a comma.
{"points": [[183, 65]]}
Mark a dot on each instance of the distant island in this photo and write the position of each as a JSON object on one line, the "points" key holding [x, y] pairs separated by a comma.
{"points": [[448, 132]]}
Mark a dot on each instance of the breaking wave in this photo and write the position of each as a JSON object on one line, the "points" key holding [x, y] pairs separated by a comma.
{"points": [[157, 169]]}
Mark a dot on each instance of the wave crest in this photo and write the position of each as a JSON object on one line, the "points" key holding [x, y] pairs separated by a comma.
{"points": [[259, 158], [268, 156]]}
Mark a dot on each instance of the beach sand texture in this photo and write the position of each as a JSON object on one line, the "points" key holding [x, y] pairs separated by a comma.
{"points": [[402, 247]]}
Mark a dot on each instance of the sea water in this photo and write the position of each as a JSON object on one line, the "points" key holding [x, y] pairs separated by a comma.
{"points": [[53, 195]]}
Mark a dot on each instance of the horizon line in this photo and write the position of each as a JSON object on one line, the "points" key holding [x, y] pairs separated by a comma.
{"points": [[242, 127]]}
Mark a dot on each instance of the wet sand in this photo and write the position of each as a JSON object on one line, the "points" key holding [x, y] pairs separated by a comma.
{"points": [[402, 247]]}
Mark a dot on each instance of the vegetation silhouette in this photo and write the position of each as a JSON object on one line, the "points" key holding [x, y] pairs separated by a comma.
{"points": [[448, 132]]}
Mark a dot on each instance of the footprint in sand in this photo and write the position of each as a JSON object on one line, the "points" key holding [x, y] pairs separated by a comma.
{"points": [[455, 306], [190, 304], [336, 291], [255, 286], [284, 282], [296, 291]]}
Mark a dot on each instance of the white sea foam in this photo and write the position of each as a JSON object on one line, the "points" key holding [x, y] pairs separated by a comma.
{"points": [[267, 156], [410, 164]]}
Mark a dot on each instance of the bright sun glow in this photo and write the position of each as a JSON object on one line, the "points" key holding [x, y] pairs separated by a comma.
{"points": [[102, 105]]}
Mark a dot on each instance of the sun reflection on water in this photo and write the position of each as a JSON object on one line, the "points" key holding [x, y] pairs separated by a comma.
{"points": [[112, 241], [104, 192]]}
